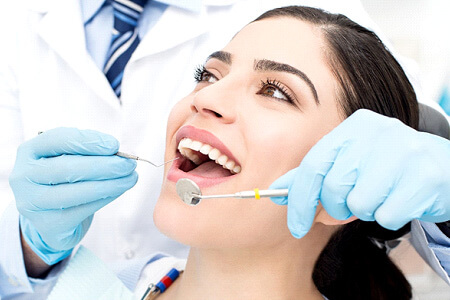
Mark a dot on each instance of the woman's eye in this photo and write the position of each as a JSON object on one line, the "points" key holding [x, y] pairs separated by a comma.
{"points": [[274, 92], [275, 89], [203, 75], [208, 77]]}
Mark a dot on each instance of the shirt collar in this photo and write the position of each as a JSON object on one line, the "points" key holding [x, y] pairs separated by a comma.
{"points": [[89, 8]]}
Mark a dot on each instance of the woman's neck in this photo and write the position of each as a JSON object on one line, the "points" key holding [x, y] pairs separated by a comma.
{"points": [[281, 272]]}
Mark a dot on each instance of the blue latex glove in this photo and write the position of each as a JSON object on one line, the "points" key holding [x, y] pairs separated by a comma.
{"points": [[60, 179], [372, 167]]}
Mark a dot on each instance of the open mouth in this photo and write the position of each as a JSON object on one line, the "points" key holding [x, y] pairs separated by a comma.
{"points": [[204, 160]]}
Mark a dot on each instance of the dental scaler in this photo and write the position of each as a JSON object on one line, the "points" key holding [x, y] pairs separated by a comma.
{"points": [[191, 194], [126, 155]]}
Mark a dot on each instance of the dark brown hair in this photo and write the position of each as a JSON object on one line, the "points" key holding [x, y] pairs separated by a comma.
{"points": [[368, 75], [352, 265]]}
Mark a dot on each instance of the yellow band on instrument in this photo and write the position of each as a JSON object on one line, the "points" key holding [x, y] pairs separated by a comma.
{"points": [[257, 194]]}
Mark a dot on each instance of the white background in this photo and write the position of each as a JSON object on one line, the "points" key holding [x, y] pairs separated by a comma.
{"points": [[420, 30]]}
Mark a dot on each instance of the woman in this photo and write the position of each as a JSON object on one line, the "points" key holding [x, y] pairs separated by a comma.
{"points": [[282, 83]]}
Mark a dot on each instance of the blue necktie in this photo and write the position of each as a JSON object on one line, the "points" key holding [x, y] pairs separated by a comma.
{"points": [[124, 41]]}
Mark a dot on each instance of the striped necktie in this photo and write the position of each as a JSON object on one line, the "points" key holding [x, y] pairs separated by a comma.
{"points": [[124, 41]]}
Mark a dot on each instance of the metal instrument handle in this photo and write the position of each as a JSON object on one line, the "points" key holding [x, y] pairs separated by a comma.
{"points": [[263, 193], [248, 194]]}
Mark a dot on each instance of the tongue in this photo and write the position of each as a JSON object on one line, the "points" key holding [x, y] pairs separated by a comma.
{"points": [[210, 170]]}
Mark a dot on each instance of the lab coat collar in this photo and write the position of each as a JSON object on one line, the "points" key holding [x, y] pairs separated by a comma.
{"points": [[39, 6], [63, 30], [169, 34]]}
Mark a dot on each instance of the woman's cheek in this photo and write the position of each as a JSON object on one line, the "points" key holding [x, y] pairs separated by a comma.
{"points": [[178, 115]]}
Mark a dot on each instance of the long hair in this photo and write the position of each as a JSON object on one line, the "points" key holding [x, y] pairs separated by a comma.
{"points": [[352, 266]]}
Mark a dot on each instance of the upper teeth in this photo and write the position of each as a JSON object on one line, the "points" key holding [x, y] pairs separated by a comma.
{"points": [[187, 148]]}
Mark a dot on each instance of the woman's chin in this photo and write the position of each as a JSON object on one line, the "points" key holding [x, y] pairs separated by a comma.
{"points": [[223, 223], [166, 217], [195, 226], [176, 220]]}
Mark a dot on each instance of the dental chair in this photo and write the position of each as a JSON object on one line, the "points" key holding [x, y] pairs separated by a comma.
{"points": [[432, 121]]}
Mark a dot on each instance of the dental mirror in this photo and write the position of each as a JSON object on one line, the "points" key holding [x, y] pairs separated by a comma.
{"points": [[188, 191]]}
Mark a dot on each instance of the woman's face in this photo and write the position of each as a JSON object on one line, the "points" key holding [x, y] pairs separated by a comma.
{"points": [[261, 102]]}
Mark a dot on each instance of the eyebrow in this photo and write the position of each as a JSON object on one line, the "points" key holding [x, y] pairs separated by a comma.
{"points": [[269, 65], [223, 56]]}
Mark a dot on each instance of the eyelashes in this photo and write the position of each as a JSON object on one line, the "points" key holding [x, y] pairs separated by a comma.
{"points": [[271, 88], [198, 72]]}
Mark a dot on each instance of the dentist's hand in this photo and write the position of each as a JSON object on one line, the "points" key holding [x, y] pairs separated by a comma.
{"points": [[374, 168], [60, 179]]}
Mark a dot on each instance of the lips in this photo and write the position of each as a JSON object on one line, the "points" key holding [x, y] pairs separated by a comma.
{"points": [[203, 158]]}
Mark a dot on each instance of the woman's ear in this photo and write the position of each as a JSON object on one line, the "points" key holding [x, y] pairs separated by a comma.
{"points": [[323, 217]]}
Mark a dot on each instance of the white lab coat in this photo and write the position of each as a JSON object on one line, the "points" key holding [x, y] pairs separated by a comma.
{"points": [[47, 80]]}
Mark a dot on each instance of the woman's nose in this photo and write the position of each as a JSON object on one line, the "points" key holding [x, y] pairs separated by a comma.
{"points": [[217, 100]]}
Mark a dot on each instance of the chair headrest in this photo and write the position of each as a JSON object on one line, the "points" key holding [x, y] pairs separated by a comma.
{"points": [[432, 121]]}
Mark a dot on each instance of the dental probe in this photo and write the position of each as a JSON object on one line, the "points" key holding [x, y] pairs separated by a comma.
{"points": [[190, 193], [126, 155]]}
